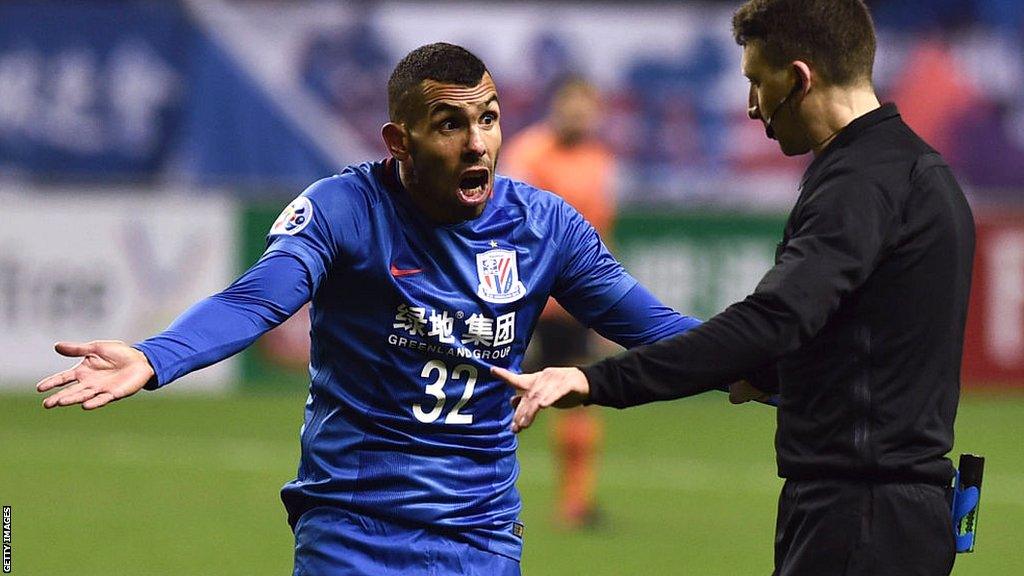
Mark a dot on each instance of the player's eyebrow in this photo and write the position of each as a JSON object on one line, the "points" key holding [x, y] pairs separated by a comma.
{"points": [[444, 107]]}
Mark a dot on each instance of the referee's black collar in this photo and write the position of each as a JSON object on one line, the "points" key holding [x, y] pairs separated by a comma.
{"points": [[862, 123], [851, 131]]}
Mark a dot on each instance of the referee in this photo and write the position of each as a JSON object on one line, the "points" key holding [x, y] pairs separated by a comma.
{"points": [[859, 325]]}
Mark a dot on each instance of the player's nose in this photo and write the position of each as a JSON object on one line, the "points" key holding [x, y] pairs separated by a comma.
{"points": [[475, 144]]}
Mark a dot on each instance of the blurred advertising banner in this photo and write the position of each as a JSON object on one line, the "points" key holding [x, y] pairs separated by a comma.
{"points": [[110, 265], [140, 90], [91, 88], [279, 94], [994, 348], [698, 262]]}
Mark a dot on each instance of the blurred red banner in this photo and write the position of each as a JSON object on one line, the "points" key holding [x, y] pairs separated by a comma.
{"points": [[994, 342]]}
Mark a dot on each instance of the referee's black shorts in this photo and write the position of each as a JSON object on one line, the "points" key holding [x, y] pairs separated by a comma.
{"points": [[847, 528]]}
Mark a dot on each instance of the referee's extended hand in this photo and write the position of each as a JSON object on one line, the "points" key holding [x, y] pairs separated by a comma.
{"points": [[109, 370], [558, 387]]}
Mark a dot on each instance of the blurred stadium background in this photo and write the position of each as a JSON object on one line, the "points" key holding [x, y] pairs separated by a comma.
{"points": [[145, 148]]}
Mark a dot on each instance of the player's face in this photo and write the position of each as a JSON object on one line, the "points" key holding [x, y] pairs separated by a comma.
{"points": [[453, 147], [575, 114], [770, 87]]}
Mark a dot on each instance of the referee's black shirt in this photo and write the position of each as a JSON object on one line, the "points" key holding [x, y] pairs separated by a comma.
{"points": [[859, 324]]}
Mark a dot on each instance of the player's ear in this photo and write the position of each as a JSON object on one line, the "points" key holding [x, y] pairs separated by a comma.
{"points": [[396, 140], [804, 76]]}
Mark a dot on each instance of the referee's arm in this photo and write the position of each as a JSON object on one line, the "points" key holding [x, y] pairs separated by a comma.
{"points": [[843, 229]]}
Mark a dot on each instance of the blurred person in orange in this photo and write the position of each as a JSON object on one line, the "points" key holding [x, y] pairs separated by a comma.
{"points": [[564, 154]]}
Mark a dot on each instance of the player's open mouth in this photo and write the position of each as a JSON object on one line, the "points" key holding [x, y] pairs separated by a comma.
{"points": [[474, 186]]}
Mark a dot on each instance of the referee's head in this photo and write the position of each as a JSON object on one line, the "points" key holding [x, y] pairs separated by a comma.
{"points": [[801, 57]]}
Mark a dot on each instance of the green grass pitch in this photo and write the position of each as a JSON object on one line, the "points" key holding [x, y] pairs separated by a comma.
{"points": [[178, 484]]}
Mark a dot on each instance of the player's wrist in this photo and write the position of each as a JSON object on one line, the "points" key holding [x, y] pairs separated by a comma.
{"points": [[146, 368]]}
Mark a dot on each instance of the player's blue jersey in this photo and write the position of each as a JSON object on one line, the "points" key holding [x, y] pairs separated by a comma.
{"points": [[404, 420]]}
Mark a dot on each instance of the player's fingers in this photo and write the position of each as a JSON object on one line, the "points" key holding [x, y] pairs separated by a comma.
{"points": [[99, 400], [54, 380], [74, 349], [54, 399], [62, 397], [517, 381], [73, 397], [515, 400]]}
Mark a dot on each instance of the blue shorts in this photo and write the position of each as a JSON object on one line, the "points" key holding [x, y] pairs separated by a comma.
{"points": [[336, 542]]}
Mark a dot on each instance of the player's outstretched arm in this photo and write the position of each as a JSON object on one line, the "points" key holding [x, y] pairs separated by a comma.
{"points": [[109, 370], [558, 387]]}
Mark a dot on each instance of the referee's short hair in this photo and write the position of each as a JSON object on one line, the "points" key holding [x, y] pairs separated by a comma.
{"points": [[836, 37], [441, 62]]}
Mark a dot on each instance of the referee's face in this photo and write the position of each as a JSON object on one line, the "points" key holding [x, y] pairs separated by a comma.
{"points": [[453, 147], [772, 99]]}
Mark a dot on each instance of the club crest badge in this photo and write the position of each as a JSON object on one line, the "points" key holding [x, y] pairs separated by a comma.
{"points": [[499, 276], [295, 217]]}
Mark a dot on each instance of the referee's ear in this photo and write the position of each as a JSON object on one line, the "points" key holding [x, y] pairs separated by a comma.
{"points": [[396, 140]]}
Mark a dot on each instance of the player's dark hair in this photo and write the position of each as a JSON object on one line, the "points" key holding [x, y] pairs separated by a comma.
{"points": [[569, 82], [441, 62], [836, 37]]}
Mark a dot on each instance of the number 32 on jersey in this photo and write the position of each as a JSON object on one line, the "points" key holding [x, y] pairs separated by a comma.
{"points": [[438, 370]]}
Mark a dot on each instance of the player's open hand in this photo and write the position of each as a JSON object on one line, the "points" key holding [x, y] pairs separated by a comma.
{"points": [[109, 370], [558, 387]]}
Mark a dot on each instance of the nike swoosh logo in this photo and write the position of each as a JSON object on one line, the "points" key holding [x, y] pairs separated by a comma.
{"points": [[398, 273]]}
